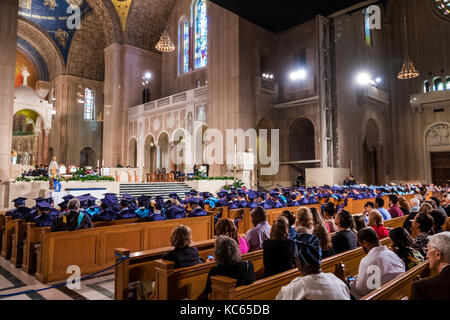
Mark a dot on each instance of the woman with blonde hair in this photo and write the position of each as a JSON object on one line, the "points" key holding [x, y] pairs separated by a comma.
{"points": [[376, 223], [318, 219], [279, 250], [183, 254], [305, 221], [227, 227], [404, 205]]}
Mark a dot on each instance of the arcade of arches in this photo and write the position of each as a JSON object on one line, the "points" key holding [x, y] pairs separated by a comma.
{"points": [[77, 94]]}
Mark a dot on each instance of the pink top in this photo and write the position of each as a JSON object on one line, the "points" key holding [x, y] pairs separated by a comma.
{"points": [[243, 245]]}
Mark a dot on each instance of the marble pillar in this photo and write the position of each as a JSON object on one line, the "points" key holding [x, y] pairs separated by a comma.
{"points": [[113, 92], [46, 147], [8, 43]]}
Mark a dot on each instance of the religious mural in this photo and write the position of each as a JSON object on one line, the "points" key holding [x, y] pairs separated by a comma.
{"points": [[25, 74], [54, 16]]}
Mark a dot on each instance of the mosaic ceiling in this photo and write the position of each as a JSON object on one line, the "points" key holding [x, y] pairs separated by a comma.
{"points": [[56, 17]]}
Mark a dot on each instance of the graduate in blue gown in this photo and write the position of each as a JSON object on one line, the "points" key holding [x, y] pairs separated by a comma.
{"points": [[174, 209], [43, 217], [74, 219], [20, 211], [233, 203], [242, 202], [107, 211], [197, 210], [252, 196], [92, 208], [222, 198], [143, 210], [158, 212], [125, 212]]}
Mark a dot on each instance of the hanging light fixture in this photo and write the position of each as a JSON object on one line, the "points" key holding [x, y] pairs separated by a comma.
{"points": [[408, 70], [165, 44]]}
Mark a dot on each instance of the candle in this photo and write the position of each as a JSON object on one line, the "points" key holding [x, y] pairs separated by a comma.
{"points": [[98, 163], [103, 163], [235, 154]]}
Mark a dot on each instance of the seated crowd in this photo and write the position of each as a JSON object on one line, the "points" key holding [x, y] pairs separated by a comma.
{"points": [[304, 239]]}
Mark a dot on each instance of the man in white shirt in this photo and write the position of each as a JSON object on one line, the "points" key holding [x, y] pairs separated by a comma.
{"points": [[314, 284], [380, 266]]}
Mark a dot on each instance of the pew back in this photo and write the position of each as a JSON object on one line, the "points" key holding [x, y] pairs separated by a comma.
{"points": [[400, 287], [93, 249]]}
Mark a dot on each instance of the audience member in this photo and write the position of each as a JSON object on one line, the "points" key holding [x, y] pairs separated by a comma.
{"points": [[291, 219], [376, 223], [305, 221], [279, 250], [324, 240], [380, 258], [425, 207], [261, 230], [227, 227], [183, 254], [421, 229], [414, 203], [313, 284], [379, 205], [436, 287], [438, 206], [439, 219], [404, 206], [403, 245], [318, 219], [344, 239], [359, 223], [368, 206], [329, 214], [228, 258], [394, 210]]}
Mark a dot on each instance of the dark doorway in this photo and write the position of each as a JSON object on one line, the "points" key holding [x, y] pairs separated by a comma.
{"points": [[87, 157], [440, 168]]}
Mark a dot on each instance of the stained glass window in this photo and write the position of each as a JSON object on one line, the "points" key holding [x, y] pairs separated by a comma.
{"points": [[448, 83], [201, 34], [443, 6], [89, 107], [367, 30], [438, 84], [186, 50], [426, 86]]}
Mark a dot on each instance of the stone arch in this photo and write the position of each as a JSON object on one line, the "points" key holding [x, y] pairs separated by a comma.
{"points": [[163, 157], [86, 58], [149, 154], [87, 157], [436, 139], [132, 152], [146, 21], [107, 14], [301, 145], [44, 44], [179, 139]]}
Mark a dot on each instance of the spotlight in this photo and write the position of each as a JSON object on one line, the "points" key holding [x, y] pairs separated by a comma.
{"points": [[378, 80], [298, 75], [363, 78], [147, 76], [271, 76]]}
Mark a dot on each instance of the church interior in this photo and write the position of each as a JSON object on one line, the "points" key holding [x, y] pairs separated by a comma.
{"points": [[127, 125]]}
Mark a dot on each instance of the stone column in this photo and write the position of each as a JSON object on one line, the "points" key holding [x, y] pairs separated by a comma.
{"points": [[8, 43], [113, 92], [46, 147], [35, 148]]}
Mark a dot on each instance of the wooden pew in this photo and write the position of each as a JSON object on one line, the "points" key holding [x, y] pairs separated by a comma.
{"points": [[20, 234], [8, 229], [189, 283], [395, 222], [224, 288], [93, 249], [400, 287], [140, 266]]}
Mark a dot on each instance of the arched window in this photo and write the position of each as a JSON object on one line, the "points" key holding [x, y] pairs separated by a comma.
{"points": [[89, 104], [201, 34], [184, 46], [448, 83], [426, 86], [438, 84]]}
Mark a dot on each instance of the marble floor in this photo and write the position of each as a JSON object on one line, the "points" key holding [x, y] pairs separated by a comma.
{"points": [[14, 280]]}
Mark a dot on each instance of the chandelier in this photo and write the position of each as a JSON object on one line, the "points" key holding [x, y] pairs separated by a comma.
{"points": [[408, 70], [165, 44]]}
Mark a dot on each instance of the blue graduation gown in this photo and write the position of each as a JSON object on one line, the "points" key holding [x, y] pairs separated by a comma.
{"points": [[175, 212], [43, 220], [156, 216], [197, 212], [105, 215], [21, 213], [126, 213]]}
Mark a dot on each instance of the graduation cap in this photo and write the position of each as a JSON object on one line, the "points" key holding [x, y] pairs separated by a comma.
{"points": [[68, 197], [38, 199], [262, 194], [252, 195], [143, 199], [274, 193], [194, 193], [222, 193], [242, 193], [43, 204], [173, 195], [187, 194], [128, 197], [19, 201]]}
